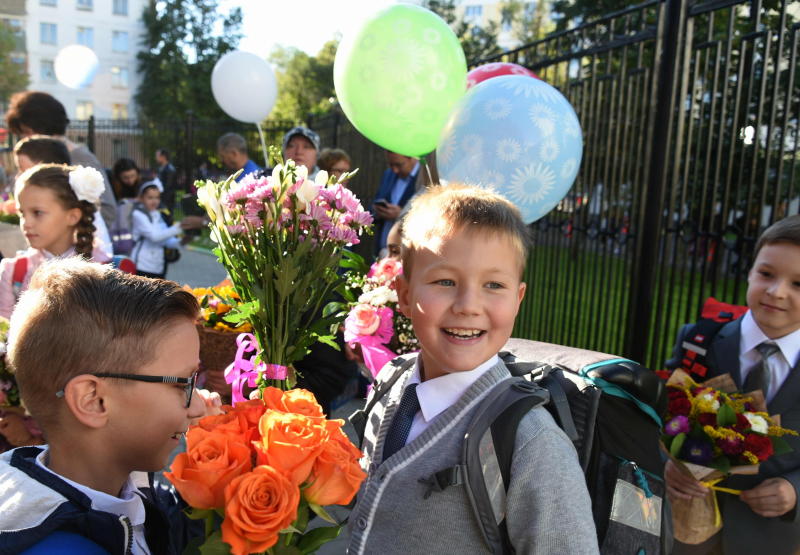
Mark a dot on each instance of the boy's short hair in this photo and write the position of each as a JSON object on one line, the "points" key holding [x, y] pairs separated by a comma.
{"points": [[41, 149], [443, 210], [38, 111], [786, 230], [80, 317]]}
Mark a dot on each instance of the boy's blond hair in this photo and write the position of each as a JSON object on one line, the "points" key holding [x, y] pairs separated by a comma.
{"points": [[81, 317], [786, 230], [444, 210]]}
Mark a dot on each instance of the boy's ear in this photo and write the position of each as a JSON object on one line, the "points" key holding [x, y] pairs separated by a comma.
{"points": [[84, 397], [521, 294], [403, 303]]}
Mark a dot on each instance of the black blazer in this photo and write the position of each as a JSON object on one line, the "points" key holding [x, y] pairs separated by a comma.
{"points": [[388, 181], [744, 531]]}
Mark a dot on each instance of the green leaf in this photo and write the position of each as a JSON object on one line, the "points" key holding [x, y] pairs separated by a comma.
{"points": [[677, 444], [726, 415], [723, 464], [314, 539], [333, 309], [215, 546], [780, 445], [322, 513], [193, 547], [328, 340], [301, 522]]}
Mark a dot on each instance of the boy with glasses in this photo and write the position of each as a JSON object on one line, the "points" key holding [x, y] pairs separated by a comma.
{"points": [[106, 364]]}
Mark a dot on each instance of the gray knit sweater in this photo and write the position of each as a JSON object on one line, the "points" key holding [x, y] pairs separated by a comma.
{"points": [[548, 506]]}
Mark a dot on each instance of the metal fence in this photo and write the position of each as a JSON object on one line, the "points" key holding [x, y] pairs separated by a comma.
{"points": [[690, 119]]}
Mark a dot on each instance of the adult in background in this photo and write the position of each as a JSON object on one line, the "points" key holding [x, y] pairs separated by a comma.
{"points": [[232, 150], [301, 144], [126, 177], [398, 185], [38, 113], [335, 161], [168, 176]]}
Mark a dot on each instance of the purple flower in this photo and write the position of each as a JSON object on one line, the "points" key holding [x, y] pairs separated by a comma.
{"points": [[697, 451], [678, 425]]}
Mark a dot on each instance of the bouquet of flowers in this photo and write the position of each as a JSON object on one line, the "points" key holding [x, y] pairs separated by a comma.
{"points": [[256, 472], [373, 320], [712, 432], [281, 239], [215, 303]]}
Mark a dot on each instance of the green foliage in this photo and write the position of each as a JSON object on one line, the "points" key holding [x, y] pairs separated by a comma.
{"points": [[13, 77], [183, 40], [574, 12], [726, 415], [527, 25], [305, 83], [677, 444], [478, 42]]}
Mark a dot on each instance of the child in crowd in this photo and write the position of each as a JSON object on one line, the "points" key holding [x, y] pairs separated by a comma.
{"points": [[151, 232], [106, 362], [56, 206], [764, 518], [464, 251]]}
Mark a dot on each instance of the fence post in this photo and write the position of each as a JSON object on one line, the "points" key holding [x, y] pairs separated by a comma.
{"points": [[188, 163], [648, 243], [90, 138]]}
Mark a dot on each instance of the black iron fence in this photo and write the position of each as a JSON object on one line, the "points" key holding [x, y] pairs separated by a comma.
{"points": [[690, 117]]}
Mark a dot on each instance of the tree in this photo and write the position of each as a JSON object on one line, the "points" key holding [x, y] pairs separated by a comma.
{"points": [[478, 42], [305, 83], [574, 12], [179, 50], [529, 21], [13, 77]]}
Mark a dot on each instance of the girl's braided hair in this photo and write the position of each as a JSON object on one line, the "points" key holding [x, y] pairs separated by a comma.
{"points": [[55, 177]]}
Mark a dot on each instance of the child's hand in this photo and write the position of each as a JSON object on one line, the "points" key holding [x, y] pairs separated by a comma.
{"points": [[772, 497], [212, 403], [681, 486]]}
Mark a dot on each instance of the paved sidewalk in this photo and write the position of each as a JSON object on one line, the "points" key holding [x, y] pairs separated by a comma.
{"points": [[196, 268]]}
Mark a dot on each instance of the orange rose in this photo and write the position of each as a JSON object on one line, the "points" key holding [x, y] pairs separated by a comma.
{"points": [[258, 505], [229, 424], [290, 442], [250, 411], [298, 401], [211, 461], [336, 474]]}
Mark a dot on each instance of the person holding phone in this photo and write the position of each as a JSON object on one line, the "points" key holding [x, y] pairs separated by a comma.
{"points": [[398, 185]]}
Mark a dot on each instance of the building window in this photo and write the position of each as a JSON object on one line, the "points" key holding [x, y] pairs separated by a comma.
{"points": [[47, 2], [120, 7], [119, 41], [119, 77], [84, 109], [84, 4], [473, 12], [18, 59], [86, 36], [119, 111], [48, 33], [47, 71]]}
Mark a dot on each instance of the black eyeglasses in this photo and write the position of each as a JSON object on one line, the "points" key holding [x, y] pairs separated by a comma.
{"points": [[188, 387]]}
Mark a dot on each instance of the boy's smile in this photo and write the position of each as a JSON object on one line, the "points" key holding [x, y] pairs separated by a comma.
{"points": [[773, 290], [462, 299]]}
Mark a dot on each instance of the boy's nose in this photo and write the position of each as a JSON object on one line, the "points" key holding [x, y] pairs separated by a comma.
{"points": [[197, 408], [467, 302], [778, 288]]}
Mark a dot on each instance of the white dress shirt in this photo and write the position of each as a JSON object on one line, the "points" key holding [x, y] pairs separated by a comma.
{"points": [[780, 364], [439, 394]]}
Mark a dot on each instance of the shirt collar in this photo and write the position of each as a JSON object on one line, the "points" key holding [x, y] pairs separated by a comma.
{"points": [[49, 255], [129, 503], [752, 337], [439, 394]]}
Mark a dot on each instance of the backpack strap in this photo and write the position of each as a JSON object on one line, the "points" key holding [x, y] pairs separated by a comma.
{"points": [[359, 418], [18, 275]]}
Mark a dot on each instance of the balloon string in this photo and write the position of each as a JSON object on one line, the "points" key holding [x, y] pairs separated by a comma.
{"points": [[263, 145], [427, 167]]}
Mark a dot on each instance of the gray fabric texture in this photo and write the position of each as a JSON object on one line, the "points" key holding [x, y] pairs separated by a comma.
{"points": [[82, 156], [548, 506]]}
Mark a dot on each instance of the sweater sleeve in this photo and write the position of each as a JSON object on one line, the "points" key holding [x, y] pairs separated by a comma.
{"points": [[549, 510], [143, 227], [7, 299]]}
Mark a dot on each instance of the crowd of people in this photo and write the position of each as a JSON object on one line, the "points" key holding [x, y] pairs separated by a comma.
{"points": [[107, 364]]}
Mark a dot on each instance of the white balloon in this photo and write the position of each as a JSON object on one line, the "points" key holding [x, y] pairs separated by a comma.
{"points": [[244, 86], [76, 66]]}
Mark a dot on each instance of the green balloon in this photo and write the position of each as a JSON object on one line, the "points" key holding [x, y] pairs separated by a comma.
{"points": [[398, 77]]}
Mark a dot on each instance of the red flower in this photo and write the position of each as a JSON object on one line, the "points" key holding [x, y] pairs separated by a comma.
{"points": [[679, 406], [707, 419], [731, 446], [742, 423], [759, 445]]}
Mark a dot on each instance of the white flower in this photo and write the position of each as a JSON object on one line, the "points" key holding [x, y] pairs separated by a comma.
{"points": [[87, 183], [714, 402], [321, 178], [307, 192], [379, 296], [206, 196], [758, 423]]}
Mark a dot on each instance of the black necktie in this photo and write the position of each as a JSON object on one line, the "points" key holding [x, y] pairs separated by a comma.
{"points": [[401, 423], [759, 376]]}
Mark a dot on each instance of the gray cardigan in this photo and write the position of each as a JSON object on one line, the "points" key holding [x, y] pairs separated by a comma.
{"points": [[548, 506]]}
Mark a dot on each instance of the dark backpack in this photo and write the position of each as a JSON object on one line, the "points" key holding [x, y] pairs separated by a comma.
{"points": [[608, 407]]}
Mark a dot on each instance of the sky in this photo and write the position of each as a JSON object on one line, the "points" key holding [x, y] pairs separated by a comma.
{"points": [[304, 24]]}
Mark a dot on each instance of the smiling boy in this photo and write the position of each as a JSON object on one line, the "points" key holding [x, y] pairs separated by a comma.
{"points": [[106, 364], [464, 251]]}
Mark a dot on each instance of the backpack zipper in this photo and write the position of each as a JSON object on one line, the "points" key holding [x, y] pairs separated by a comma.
{"points": [[126, 524]]}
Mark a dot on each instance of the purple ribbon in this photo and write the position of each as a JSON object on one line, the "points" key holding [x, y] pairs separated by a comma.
{"points": [[244, 370]]}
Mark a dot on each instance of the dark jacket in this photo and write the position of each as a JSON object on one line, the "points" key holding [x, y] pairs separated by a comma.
{"points": [[36, 504], [743, 530], [388, 181]]}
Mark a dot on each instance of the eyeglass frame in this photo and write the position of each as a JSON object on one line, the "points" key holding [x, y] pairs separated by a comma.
{"points": [[189, 382]]}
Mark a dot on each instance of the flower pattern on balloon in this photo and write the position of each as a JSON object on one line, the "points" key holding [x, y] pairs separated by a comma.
{"points": [[549, 150], [532, 183], [508, 150], [472, 143], [491, 179], [532, 90], [446, 149], [543, 118], [497, 108], [568, 169]]}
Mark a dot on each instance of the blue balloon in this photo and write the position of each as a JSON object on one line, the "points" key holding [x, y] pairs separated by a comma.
{"points": [[516, 135]]}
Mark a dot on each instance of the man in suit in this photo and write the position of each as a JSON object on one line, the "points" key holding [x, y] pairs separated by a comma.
{"points": [[398, 185], [760, 350]]}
